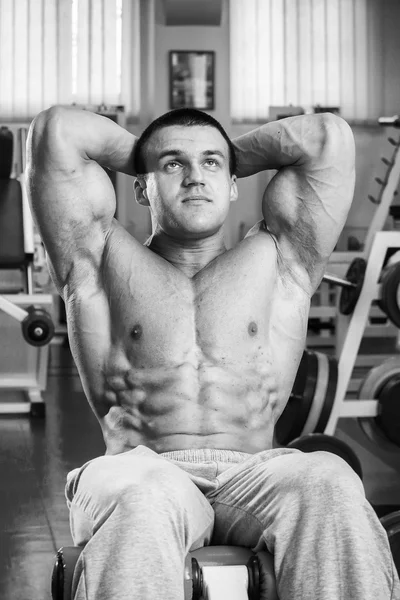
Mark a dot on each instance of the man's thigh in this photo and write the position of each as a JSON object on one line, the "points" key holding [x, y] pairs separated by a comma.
{"points": [[257, 498], [138, 480]]}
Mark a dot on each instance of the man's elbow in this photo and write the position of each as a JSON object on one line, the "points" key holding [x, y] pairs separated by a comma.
{"points": [[337, 137], [47, 118], [44, 128]]}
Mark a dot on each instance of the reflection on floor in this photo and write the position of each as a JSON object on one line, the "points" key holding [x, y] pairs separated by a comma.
{"points": [[35, 458], [37, 454]]}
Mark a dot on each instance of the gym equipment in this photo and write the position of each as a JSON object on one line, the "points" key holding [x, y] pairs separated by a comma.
{"points": [[6, 152], [25, 316], [391, 523], [318, 396], [388, 186], [37, 324], [349, 331], [352, 285], [210, 573], [383, 383], [338, 260], [389, 300], [383, 182], [349, 296], [311, 400], [392, 121], [320, 441]]}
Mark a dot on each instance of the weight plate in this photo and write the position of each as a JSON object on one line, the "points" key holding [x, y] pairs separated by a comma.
{"points": [[388, 418], [349, 296], [377, 377], [376, 436], [393, 259], [370, 389], [389, 300], [318, 392], [290, 423], [37, 327], [330, 394], [321, 386], [391, 523], [328, 443]]}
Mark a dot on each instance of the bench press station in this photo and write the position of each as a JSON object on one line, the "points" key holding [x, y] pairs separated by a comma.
{"points": [[25, 316]]}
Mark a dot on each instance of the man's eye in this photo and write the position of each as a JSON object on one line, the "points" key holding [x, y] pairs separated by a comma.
{"points": [[212, 161], [172, 164]]}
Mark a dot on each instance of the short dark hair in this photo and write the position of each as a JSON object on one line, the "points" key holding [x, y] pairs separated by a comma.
{"points": [[187, 117]]}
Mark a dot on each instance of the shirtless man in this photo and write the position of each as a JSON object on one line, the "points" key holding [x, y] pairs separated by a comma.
{"points": [[188, 351]]}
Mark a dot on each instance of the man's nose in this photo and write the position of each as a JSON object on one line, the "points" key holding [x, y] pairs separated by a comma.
{"points": [[193, 175]]}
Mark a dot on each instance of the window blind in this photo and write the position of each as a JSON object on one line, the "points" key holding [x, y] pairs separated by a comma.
{"points": [[305, 53], [65, 51]]}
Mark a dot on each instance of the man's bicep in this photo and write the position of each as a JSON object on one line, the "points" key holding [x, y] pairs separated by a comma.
{"points": [[72, 200], [306, 209]]}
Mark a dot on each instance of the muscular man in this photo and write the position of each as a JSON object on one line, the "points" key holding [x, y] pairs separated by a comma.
{"points": [[188, 351]]}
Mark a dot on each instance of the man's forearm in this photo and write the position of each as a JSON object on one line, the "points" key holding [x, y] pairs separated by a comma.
{"points": [[94, 136], [290, 141]]}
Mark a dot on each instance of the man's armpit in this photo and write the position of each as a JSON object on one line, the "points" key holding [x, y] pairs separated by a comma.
{"points": [[296, 242]]}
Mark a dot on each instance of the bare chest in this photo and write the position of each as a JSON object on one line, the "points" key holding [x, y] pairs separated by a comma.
{"points": [[233, 310]]}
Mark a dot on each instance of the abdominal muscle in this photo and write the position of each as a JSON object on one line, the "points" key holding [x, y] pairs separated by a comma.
{"points": [[184, 406]]}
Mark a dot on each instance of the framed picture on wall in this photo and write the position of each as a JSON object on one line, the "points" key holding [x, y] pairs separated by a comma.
{"points": [[191, 75]]}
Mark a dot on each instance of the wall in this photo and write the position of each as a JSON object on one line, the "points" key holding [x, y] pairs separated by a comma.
{"points": [[159, 42], [371, 141]]}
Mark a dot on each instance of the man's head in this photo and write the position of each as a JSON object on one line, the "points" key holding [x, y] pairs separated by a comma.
{"points": [[186, 173]]}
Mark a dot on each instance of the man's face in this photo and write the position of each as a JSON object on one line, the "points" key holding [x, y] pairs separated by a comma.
{"points": [[188, 186]]}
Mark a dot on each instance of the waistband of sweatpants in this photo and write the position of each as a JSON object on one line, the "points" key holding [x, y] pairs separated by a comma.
{"points": [[203, 455]]}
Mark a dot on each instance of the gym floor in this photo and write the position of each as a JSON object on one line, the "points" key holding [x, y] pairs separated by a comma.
{"points": [[37, 454]]}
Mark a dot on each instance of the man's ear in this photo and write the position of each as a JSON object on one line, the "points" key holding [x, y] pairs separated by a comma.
{"points": [[140, 189], [234, 190]]}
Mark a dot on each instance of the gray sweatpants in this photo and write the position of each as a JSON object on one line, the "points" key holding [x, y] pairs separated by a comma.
{"points": [[139, 513]]}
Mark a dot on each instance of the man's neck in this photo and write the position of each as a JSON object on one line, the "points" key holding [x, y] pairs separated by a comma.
{"points": [[189, 256]]}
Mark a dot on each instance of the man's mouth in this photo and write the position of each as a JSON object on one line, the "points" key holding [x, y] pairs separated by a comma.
{"points": [[196, 199]]}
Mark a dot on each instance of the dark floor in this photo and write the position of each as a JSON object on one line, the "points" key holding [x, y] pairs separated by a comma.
{"points": [[35, 456]]}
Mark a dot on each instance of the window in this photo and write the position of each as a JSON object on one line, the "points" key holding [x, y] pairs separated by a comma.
{"points": [[304, 53], [65, 51]]}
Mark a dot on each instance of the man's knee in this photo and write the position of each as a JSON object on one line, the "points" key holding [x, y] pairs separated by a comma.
{"points": [[127, 478], [317, 474], [141, 478]]}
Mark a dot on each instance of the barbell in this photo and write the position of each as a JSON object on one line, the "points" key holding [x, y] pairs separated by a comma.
{"points": [[351, 286], [389, 300]]}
